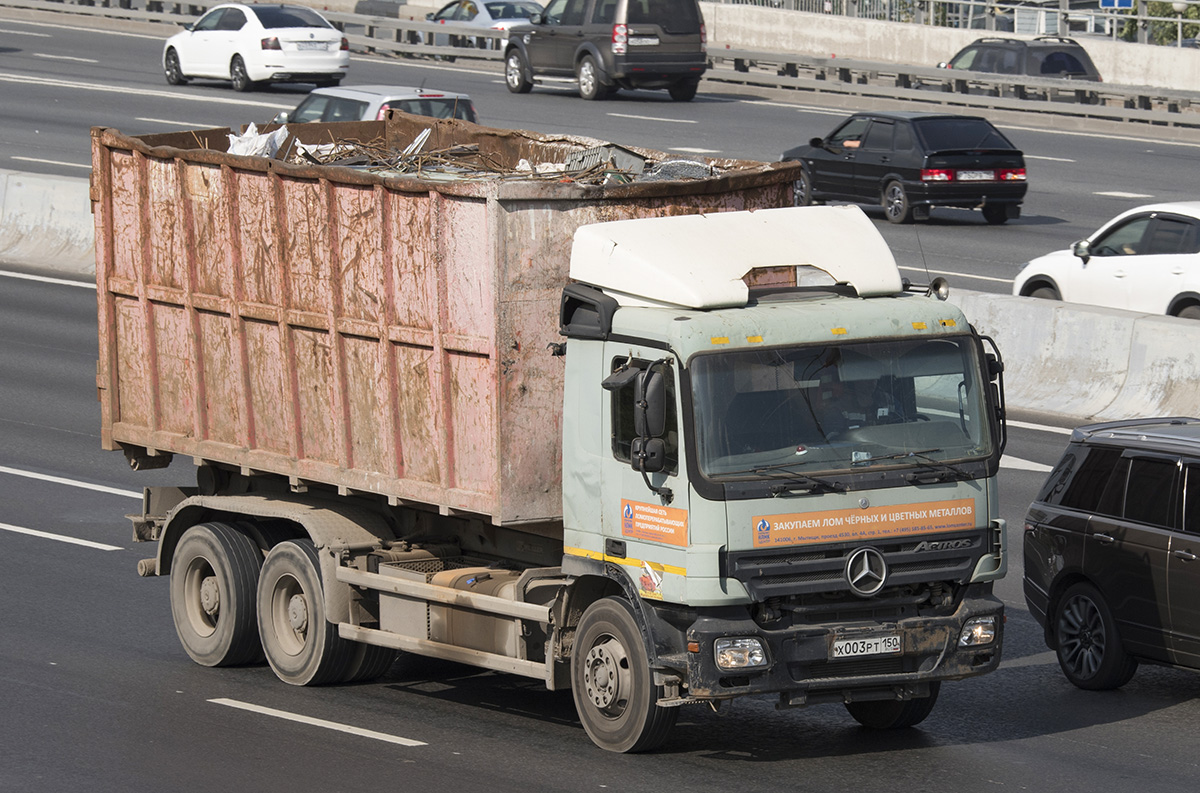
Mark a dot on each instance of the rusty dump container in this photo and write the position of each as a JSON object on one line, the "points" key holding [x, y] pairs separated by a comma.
{"points": [[381, 334]]}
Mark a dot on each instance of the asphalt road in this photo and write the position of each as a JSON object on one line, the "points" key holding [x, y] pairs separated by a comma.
{"points": [[98, 695]]}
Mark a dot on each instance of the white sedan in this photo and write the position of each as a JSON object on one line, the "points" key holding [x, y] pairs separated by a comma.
{"points": [[248, 44], [1146, 259]]}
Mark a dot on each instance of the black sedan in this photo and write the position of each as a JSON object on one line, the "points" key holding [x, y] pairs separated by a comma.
{"points": [[909, 162]]}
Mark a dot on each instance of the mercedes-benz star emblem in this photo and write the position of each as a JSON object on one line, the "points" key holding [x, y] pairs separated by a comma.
{"points": [[865, 572]]}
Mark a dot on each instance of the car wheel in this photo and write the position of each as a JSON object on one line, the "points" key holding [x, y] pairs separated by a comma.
{"points": [[995, 214], [171, 69], [516, 74], [1189, 312], [802, 190], [895, 203], [1089, 646], [238, 74], [684, 91], [590, 86], [894, 714], [1046, 293]]}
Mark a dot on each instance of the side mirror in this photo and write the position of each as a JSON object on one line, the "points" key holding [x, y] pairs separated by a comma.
{"points": [[429, 17], [1082, 250], [649, 454], [189, 26], [816, 143], [943, 65], [650, 404], [537, 19], [280, 118]]}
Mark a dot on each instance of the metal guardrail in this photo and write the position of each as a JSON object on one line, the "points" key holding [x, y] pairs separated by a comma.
{"points": [[953, 88]]}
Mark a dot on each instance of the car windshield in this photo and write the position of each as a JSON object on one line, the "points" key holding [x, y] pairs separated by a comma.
{"points": [[941, 134], [512, 10], [288, 17], [859, 407]]}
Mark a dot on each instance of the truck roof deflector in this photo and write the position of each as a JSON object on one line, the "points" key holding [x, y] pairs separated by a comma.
{"points": [[700, 261]]}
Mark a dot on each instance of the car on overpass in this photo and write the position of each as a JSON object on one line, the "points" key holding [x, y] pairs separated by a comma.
{"points": [[910, 162], [1145, 259]]}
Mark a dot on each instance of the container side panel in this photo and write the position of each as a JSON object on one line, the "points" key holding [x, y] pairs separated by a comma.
{"points": [[360, 227], [473, 433], [168, 247], [316, 416], [176, 370], [414, 275], [307, 247], [257, 228], [222, 393], [465, 243], [419, 415], [269, 393], [213, 229], [370, 447], [126, 217], [133, 376]]}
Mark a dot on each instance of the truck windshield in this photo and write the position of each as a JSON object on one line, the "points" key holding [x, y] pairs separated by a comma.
{"points": [[856, 407]]}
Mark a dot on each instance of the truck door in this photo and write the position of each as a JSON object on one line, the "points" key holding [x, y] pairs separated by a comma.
{"points": [[649, 526]]}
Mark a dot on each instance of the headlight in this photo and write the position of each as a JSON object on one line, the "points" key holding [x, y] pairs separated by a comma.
{"points": [[978, 631], [740, 653]]}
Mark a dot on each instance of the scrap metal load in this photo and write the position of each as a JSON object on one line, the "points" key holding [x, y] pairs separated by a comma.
{"points": [[369, 328]]}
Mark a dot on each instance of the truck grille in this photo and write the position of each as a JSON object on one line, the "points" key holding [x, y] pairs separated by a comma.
{"points": [[786, 572]]}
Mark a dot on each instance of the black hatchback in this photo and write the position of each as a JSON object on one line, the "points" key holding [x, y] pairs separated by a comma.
{"points": [[1112, 550], [910, 162]]}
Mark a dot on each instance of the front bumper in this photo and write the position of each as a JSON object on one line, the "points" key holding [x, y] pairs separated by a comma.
{"points": [[801, 670]]}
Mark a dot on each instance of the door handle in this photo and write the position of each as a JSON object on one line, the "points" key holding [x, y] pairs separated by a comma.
{"points": [[1104, 538], [1186, 556]]}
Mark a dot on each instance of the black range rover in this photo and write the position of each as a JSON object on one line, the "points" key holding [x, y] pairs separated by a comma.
{"points": [[1112, 550]]}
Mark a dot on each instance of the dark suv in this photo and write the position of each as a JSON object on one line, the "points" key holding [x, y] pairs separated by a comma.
{"points": [[610, 44], [1112, 550], [1045, 56]]}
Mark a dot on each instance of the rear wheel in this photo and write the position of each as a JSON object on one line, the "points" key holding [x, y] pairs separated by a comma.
{"points": [[214, 577], [802, 190], [611, 682], [301, 645], [895, 203], [995, 214], [590, 86], [894, 714], [238, 75], [516, 73], [1089, 646], [1045, 293], [171, 69], [684, 92]]}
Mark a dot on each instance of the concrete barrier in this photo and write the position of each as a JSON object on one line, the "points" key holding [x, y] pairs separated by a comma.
{"points": [[46, 223], [1089, 362]]}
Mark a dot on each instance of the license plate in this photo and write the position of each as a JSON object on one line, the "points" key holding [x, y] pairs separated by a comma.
{"points": [[976, 176], [875, 644], [643, 41], [311, 45]]}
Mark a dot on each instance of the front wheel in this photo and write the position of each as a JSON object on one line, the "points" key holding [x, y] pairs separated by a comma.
{"points": [[1089, 647], [590, 85], [172, 70], [611, 681], [214, 576], [894, 714], [895, 203], [238, 76], [516, 74], [683, 92]]}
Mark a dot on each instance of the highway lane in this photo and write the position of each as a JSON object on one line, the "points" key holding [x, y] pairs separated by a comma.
{"points": [[98, 693], [60, 79]]}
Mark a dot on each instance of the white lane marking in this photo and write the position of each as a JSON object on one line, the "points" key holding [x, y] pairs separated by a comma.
{"points": [[64, 57], [1048, 159], [1105, 136], [328, 725], [1025, 425], [654, 118], [51, 162], [25, 33], [821, 111], [56, 26], [172, 123], [959, 275], [9, 77], [1008, 461], [686, 150], [45, 279], [58, 480], [59, 537], [1121, 194]]}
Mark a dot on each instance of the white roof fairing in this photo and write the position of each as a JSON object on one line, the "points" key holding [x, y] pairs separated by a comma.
{"points": [[698, 261]]}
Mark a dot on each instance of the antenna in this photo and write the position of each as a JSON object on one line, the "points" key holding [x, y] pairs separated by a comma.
{"points": [[921, 249]]}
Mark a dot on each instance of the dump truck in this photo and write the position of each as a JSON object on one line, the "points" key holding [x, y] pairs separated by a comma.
{"points": [[658, 442]]}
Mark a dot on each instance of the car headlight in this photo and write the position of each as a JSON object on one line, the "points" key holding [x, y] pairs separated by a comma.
{"points": [[744, 653], [978, 631]]}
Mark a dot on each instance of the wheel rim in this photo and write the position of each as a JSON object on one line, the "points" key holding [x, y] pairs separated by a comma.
{"points": [[172, 65], [587, 78], [289, 615], [202, 597], [513, 71], [894, 200], [801, 191], [1081, 636], [239, 73], [606, 677]]}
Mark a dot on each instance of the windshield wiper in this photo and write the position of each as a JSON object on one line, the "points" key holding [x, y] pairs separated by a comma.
{"points": [[796, 480], [936, 471], [877, 457]]}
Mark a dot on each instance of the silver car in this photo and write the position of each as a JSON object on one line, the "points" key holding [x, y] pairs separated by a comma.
{"points": [[371, 102]]}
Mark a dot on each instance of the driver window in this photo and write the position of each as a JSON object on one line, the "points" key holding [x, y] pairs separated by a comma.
{"points": [[554, 12], [1125, 240], [850, 134], [622, 416], [573, 13], [209, 21]]}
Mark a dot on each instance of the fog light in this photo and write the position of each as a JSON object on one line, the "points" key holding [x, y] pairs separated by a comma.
{"points": [[978, 631], [740, 653]]}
